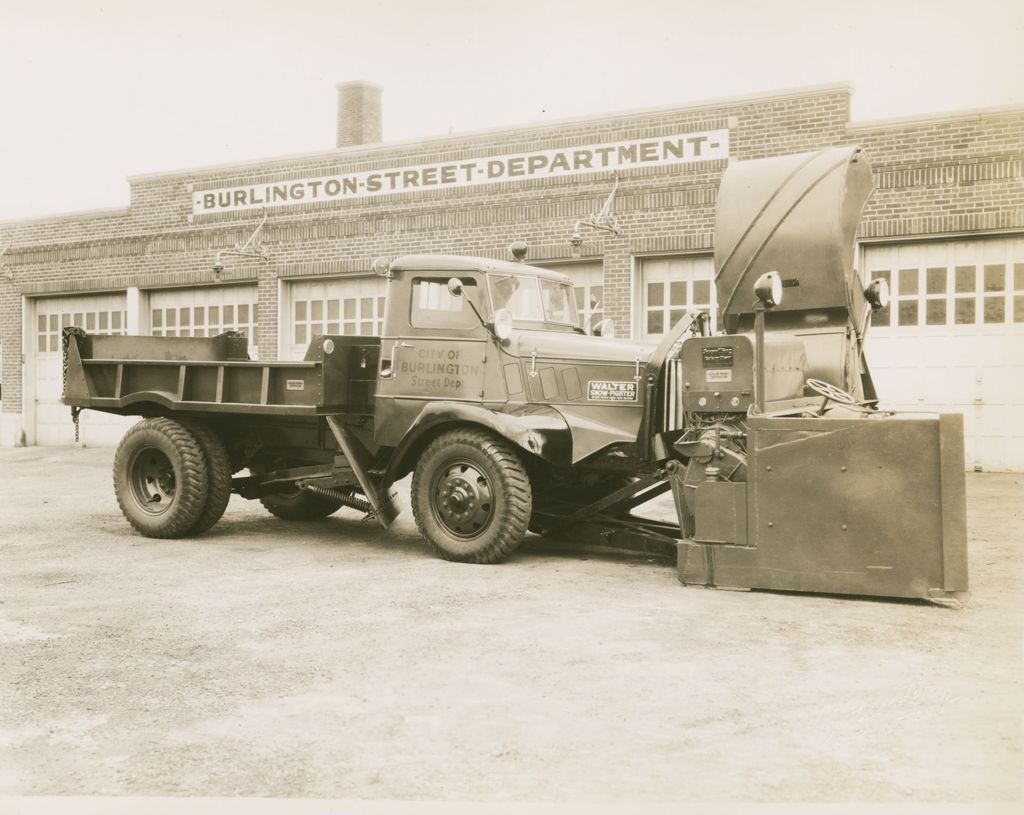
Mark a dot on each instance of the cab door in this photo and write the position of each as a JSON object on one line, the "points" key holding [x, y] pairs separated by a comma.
{"points": [[443, 353]]}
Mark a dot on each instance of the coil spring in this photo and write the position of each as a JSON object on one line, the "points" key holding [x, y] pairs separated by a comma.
{"points": [[346, 499]]}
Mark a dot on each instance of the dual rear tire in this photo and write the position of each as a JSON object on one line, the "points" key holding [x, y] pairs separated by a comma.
{"points": [[172, 479]]}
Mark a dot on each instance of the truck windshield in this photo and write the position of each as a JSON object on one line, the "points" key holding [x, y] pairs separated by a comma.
{"points": [[533, 299]]}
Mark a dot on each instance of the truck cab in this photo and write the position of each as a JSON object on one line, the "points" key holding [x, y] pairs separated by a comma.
{"points": [[466, 336]]}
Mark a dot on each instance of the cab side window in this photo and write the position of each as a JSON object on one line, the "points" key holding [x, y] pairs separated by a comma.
{"points": [[433, 306]]}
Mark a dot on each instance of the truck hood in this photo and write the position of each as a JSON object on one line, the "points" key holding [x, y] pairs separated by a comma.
{"points": [[578, 346]]}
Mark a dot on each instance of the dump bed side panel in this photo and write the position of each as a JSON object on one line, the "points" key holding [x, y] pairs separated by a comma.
{"points": [[131, 374]]}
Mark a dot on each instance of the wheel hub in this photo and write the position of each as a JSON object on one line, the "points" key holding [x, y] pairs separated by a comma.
{"points": [[153, 482], [463, 500]]}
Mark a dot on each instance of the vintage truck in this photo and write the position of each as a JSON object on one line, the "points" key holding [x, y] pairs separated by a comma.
{"points": [[513, 418]]}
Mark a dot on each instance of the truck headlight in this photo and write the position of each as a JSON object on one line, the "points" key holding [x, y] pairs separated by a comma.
{"points": [[768, 289], [605, 328], [877, 293], [503, 324]]}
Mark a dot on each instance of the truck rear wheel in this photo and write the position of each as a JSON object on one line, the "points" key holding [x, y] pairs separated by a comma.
{"points": [[471, 497], [218, 470], [160, 478], [299, 505]]}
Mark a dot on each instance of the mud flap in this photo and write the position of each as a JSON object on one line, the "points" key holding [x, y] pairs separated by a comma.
{"points": [[866, 506]]}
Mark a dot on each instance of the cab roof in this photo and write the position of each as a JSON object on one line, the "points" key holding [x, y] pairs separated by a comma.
{"points": [[464, 263]]}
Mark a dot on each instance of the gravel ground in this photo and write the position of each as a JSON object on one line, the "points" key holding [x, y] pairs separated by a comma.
{"points": [[334, 660]]}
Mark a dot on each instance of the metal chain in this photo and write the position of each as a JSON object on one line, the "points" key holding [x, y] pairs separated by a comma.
{"points": [[65, 341]]}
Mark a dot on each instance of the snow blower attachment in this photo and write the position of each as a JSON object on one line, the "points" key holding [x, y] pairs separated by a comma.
{"points": [[808, 486]]}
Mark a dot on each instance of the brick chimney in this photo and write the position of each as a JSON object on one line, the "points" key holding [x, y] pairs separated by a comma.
{"points": [[359, 118]]}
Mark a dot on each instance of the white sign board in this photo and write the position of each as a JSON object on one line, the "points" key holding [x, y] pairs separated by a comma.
{"points": [[682, 148]]}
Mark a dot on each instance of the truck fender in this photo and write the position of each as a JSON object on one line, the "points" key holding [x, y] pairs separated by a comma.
{"points": [[537, 429]]}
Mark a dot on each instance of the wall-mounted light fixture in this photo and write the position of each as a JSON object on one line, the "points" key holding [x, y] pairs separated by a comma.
{"points": [[605, 220], [252, 248]]}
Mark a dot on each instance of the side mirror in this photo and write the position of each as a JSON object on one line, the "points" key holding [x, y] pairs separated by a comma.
{"points": [[454, 286], [605, 328]]}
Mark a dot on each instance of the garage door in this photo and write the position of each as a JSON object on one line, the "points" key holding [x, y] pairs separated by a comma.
{"points": [[953, 339], [97, 314], [671, 286], [353, 305], [204, 312]]}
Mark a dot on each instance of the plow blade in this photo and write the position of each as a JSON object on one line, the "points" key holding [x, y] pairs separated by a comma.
{"points": [[871, 507]]}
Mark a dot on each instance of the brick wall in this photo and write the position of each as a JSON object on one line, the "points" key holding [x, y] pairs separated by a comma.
{"points": [[939, 176]]}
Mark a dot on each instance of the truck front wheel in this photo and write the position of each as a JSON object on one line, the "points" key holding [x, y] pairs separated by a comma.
{"points": [[471, 497], [161, 478]]}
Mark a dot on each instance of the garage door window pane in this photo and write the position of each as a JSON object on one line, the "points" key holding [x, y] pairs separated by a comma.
{"points": [[349, 308], [300, 334], [316, 311], [677, 293], [995, 310], [701, 292], [184, 317], [243, 313], [229, 316], [936, 281], [1018, 276], [333, 309], [965, 279], [655, 294], [908, 313], [90, 321], [300, 310], [908, 281], [214, 321], [935, 312], [995, 278], [655, 322], [965, 311], [1018, 309]]}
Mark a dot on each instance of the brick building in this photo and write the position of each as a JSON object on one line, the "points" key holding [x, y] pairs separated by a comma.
{"points": [[945, 225]]}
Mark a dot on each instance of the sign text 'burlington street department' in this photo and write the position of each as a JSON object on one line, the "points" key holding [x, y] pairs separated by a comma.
{"points": [[683, 148]]}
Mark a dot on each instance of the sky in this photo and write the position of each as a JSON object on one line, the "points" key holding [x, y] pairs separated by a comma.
{"points": [[91, 93]]}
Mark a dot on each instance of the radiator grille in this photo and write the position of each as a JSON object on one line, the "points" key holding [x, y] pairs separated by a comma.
{"points": [[672, 407]]}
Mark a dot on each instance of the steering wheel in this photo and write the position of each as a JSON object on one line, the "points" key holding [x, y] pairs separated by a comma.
{"points": [[837, 395]]}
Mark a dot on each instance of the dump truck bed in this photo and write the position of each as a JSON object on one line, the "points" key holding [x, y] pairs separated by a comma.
{"points": [[214, 375]]}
